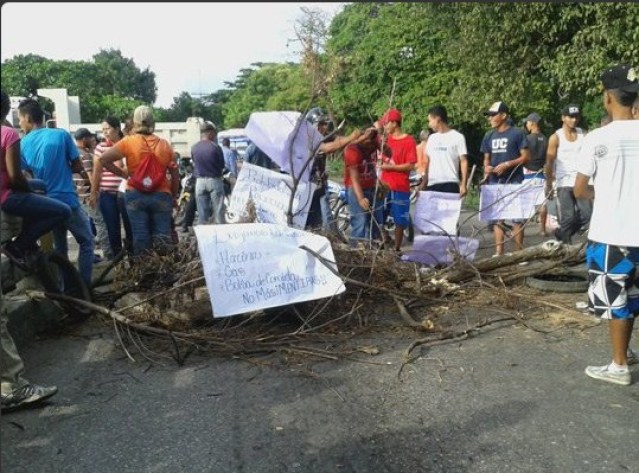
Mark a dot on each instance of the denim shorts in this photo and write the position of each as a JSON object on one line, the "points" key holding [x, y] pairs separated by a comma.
{"points": [[613, 276]]}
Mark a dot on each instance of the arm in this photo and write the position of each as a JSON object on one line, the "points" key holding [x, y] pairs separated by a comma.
{"points": [[363, 202], [524, 157], [582, 190], [108, 159], [551, 156], [95, 181], [488, 169], [463, 185], [340, 142], [175, 181], [78, 168], [18, 181], [424, 182]]}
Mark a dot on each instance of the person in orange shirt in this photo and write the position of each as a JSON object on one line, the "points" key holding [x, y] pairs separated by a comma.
{"points": [[149, 212]]}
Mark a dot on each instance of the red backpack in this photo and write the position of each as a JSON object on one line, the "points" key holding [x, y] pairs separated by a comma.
{"points": [[150, 173]]}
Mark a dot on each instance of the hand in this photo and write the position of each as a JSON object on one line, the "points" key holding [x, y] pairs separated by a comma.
{"points": [[93, 199], [463, 190], [364, 203], [501, 168]]}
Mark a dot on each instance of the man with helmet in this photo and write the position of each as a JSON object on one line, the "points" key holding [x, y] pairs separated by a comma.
{"points": [[320, 215]]}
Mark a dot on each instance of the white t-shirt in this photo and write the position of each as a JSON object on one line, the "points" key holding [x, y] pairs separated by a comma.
{"points": [[568, 153], [610, 155], [444, 151]]}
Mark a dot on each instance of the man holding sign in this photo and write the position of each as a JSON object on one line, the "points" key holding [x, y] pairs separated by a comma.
{"points": [[505, 150]]}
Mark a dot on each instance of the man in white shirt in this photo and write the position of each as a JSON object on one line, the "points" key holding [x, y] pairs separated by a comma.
{"points": [[445, 156], [561, 168], [610, 156]]}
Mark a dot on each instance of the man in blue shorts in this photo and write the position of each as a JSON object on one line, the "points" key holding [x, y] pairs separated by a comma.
{"points": [[505, 150], [396, 171], [612, 254]]}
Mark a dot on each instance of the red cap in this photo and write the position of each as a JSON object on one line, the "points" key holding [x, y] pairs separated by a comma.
{"points": [[393, 115]]}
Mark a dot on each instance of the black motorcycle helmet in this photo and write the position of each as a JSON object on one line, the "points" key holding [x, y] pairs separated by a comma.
{"points": [[317, 115]]}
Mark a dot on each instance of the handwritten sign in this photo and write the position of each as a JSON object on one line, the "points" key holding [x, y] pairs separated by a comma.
{"points": [[437, 212], [508, 201], [433, 250], [271, 192], [253, 266]]}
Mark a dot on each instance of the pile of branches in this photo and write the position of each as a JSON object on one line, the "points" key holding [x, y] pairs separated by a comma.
{"points": [[164, 296]]}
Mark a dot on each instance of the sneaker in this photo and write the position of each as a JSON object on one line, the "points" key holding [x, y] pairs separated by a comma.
{"points": [[632, 356], [603, 373], [17, 256], [27, 394]]}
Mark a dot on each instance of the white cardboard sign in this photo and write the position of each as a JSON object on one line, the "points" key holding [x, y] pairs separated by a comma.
{"points": [[271, 192], [508, 201], [437, 212], [435, 250], [253, 266]]}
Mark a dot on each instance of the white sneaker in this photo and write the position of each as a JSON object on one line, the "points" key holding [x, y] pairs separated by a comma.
{"points": [[632, 356], [603, 373]]}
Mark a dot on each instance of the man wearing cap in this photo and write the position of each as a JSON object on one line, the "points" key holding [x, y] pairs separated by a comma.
{"points": [[86, 143], [610, 157], [208, 162], [505, 150], [534, 168], [396, 171], [561, 170], [51, 155]]}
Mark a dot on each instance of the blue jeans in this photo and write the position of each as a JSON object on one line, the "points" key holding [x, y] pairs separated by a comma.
{"points": [[39, 214], [150, 217], [320, 213], [79, 226], [209, 193], [113, 209], [361, 219]]}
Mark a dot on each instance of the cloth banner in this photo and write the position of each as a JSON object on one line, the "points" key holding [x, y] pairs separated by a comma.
{"points": [[437, 212], [508, 201], [434, 250], [274, 133], [253, 266], [271, 192]]}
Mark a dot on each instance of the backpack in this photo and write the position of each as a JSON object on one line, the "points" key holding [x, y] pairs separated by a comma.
{"points": [[150, 173]]}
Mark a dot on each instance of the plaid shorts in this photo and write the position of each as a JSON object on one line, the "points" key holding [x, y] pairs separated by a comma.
{"points": [[613, 275]]}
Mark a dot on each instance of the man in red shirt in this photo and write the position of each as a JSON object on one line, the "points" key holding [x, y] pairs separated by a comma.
{"points": [[360, 181], [396, 171]]}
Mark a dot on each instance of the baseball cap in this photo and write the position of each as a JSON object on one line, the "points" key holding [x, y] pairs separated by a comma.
{"points": [[533, 117], [208, 126], [393, 115], [621, 76], [143, 115], [572, 110], [82, 133], [497, 107]]}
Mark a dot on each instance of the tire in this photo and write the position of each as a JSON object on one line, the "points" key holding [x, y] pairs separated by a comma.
{"points": [[566, 283], [342, 217], [180, 212], [59, 276]]}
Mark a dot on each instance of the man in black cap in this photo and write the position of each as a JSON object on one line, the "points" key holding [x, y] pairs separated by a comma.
{"points": [[610, 157], [561, 160], [534, 168], [208, 162]]}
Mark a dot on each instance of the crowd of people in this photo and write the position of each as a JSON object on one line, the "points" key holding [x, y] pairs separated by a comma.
{"points": [[130, 182]]}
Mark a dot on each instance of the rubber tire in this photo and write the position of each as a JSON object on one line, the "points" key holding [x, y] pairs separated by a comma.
{"points": [[559, 286], [51, 267]]}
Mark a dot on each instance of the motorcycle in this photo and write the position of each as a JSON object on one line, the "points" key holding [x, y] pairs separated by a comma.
{"points": [[187, 192]]}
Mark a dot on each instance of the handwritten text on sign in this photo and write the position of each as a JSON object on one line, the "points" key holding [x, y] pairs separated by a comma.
{"points": [[508, 201], [271, 193], [253, 266]]}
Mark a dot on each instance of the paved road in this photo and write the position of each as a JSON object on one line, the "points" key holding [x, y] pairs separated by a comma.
{"points": [[510, 400]]}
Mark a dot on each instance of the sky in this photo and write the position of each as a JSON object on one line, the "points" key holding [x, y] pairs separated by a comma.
{"points": [[192, 47]]}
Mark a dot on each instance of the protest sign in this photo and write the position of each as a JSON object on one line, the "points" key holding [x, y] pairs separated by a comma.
{"points": [[437, 212], [253, 266], [285, 137], [508, 201], [271, 193], [435, 250]]}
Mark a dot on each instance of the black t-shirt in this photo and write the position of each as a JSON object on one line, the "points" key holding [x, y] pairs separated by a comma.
{"points": [[538, 145]]}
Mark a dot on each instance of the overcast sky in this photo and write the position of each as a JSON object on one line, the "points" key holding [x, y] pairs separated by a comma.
{"points": [[193, 47]]}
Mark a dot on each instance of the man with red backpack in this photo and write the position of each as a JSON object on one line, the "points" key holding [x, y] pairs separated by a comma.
{"points": [[150, 196]]}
